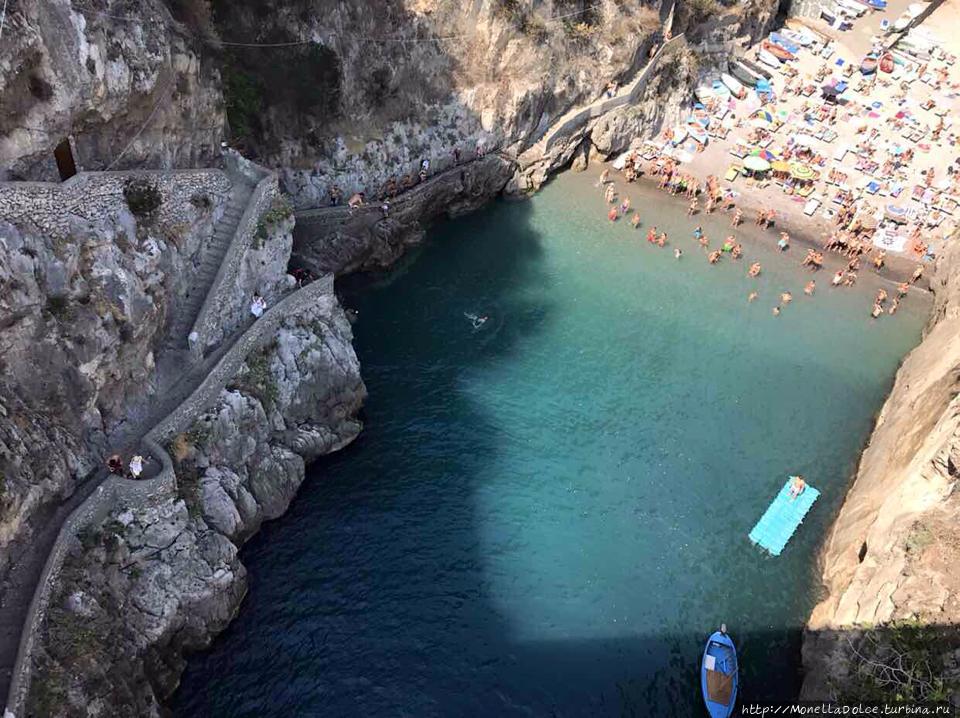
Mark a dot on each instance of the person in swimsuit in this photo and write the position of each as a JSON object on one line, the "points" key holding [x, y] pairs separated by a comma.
{"points": [[809, 288], [752, 296], [612, 214], [737, 217], [635, 220], [754, 270], [797, 486], [692, 210], [677, 253], [652, 234], [698, 233]]}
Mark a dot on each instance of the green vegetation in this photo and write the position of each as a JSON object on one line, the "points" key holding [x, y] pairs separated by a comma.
{"points": [[256, 379], [280, 210], [702, 10], [299, 81], [902, 662], [142, 196], [919, 538], [59, 307], [244, 99]]}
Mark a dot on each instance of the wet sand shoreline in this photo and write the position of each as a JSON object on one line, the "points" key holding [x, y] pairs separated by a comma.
{"points": [[810, 233]]}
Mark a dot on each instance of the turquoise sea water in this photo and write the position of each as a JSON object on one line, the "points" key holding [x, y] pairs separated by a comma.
{"points": [[548, 515]]}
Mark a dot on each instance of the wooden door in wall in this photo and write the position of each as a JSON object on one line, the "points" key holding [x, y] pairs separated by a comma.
{"points": [[65, 163]]}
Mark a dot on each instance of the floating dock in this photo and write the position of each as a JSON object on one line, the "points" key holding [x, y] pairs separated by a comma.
{"points": [[782, 517]]}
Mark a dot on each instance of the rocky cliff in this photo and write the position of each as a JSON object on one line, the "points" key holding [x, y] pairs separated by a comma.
{"points": [[89, 273], [887, 625], [155, 581]]}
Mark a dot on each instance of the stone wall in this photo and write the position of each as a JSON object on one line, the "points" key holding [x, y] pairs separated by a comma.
{"points": [[225, 308], [96, 196]]}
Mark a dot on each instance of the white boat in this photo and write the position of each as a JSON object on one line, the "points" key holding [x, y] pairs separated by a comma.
{"points": [[795, 36], [768, 59], [733, 84], [851, 6], [704, 93]]}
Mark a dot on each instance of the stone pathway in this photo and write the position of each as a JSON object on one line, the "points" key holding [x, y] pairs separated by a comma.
{"points": [[212, 254], [177, 377]]}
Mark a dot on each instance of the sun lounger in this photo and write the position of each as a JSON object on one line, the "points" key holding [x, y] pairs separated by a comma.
{"points": [[811, 206], [732, 172]]}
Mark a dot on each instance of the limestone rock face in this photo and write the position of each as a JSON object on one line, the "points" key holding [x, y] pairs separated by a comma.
{"points": [[893, 552], [100, 74], [84, 301], [169, 570]]}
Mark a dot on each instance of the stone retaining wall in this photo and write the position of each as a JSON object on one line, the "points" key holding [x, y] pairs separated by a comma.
{"points": [[220, 313], [99, 195]]}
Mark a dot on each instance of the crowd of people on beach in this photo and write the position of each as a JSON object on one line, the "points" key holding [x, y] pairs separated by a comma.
{"points": [[715, 199]]}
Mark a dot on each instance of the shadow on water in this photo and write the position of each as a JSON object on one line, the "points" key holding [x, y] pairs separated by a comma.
{"points": [[392, 587], [412, 547]]}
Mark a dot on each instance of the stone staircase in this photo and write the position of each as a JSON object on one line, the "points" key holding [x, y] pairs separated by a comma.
{"points": [[211, 256]]}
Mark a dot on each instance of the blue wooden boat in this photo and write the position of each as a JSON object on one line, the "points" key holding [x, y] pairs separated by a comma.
{"points": [[777, 39], [720, 675]]}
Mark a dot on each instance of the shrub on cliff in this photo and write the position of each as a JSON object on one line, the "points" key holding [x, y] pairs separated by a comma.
{"points": [[142, 196]]}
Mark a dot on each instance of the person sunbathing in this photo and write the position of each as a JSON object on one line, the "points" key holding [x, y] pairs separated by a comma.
{"points": [[797, 486]]}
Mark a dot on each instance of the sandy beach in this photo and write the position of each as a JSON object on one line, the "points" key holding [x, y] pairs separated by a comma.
{"points": [[888, 143]]}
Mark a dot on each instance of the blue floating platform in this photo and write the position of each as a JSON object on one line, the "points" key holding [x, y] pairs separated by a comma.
{"points": [[782, 517]]}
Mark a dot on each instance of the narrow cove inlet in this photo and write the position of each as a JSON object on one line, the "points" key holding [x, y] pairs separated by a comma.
{"points": [[547, 511]]}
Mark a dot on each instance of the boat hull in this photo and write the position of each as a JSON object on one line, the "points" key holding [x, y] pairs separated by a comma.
{"points": [[722, 654]]}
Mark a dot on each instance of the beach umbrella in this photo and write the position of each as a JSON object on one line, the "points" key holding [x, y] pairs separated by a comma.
{"points": [[802, 172], [764, 155], [764, 115], [756, 164]]}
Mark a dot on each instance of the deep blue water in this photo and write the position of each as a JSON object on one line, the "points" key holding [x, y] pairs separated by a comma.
{"points": [[548, 515]]}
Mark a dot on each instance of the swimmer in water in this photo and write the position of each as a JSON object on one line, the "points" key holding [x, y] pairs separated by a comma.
{"points": [[754, 270], [776, 311], [662, 239], [704, 241], [786, 297], [635, 220], [475, 320], [612, 215], [837, 278], [692, 210], [652, 234], [677, 253], [737, 218], [728, 244], [698, 233], [737, 251], [752, 296], [784, 242], [877, 310], [809, 288], [714, 256]]}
